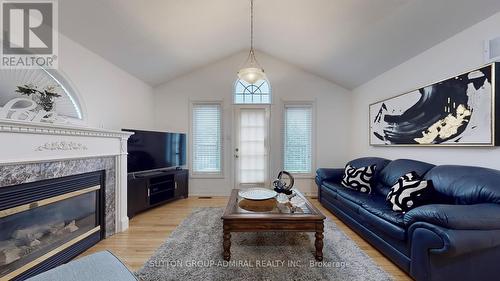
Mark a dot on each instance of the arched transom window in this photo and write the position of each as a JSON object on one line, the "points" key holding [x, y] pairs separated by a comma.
{"points": [[258, 93], [66, 105]]}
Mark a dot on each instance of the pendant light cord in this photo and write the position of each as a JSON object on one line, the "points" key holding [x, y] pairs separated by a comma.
{"points": [[251, 25], [252, 60]]}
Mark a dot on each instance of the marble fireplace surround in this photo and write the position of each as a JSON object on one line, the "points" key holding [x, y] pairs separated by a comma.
{"points": [[35, 151]]}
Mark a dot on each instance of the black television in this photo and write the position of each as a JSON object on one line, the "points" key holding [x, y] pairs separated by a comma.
{"points": [[148, 150]]}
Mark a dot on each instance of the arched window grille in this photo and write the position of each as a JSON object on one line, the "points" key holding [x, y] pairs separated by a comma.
{"points": [[258, 93], [67, 105]]}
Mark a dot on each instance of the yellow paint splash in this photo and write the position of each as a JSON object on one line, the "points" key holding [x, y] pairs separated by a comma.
{"points": [[446, 127]]}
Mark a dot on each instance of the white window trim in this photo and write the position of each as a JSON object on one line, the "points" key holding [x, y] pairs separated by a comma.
{"points": [[312, 105], [206, 175]]}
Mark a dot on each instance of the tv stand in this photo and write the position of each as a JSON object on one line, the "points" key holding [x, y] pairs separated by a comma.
{"points": [[150, 189]]}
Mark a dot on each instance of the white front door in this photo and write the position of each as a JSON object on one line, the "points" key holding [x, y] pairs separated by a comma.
{"points": [[251, 146]]}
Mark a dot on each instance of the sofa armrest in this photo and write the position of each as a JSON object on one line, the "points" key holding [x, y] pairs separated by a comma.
{"points": [[433, 245], [468, 217], [455, 242], [328, 174]]}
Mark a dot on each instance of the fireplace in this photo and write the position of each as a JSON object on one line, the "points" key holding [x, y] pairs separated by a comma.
{"points": [[46, 223]]}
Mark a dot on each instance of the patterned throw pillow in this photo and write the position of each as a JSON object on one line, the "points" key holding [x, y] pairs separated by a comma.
{"points": [[358, 179], [409, 192]]}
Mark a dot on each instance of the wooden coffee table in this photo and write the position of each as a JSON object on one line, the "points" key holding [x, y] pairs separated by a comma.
{"points": [[243, 215]]}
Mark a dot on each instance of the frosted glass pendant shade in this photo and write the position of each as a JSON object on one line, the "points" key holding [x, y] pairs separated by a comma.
{"points": [[251, 74]]}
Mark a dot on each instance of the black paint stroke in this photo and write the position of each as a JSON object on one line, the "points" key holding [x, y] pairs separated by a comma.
{"points": [[429, 109]]}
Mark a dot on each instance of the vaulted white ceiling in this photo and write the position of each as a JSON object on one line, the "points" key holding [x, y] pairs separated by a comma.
{"points": [[348, 42]]}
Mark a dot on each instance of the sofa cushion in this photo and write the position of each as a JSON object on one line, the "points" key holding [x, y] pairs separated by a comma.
{"points": [[328, 193], [353, 195], [368, 161], [376, 213], [329, 174], [358, 179], [410, 192], [396, 169], [98, 266], [385, 243], [333, 186], [349, 199], [349, 205], [379, 207], [466, 185]]}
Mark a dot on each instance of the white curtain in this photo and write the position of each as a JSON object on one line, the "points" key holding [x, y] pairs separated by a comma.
{"points": [[253, 154]]}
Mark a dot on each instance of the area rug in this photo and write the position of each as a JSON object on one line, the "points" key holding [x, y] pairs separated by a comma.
{"points": [[194, 252]]}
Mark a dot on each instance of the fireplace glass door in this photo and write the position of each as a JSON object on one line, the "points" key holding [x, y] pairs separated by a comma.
{"points": [[31, 233]]}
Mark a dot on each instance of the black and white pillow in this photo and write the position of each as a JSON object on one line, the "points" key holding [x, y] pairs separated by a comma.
{"points": [[409, 192], [358, 178]]}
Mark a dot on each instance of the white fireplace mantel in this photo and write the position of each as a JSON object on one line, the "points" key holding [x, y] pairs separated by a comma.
{"points": [[28, 142]]}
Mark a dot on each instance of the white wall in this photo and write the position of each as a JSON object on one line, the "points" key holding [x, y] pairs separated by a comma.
{"points": [[112, 98], [215, 82], [460, 53]]}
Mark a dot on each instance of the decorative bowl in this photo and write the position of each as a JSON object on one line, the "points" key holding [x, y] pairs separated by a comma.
{"points": [[257, 193]]}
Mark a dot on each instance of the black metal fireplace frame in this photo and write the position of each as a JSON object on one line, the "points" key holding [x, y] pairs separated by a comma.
{"points": [[17, 195]]}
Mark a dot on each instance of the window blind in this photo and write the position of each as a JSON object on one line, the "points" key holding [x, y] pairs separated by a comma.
{"points": [[298, 139], [206, 138]]}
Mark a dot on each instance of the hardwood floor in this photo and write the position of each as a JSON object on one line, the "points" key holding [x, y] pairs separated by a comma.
{"points": [[148, 231]]}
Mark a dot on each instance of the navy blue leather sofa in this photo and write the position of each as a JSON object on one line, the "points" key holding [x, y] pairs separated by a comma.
{"points": [[456, 237]]}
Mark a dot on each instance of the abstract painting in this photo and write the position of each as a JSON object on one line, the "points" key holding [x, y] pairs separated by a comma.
{"points": [[456, 111]]}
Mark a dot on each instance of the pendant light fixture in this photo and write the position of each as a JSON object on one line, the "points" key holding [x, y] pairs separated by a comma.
{"points": [[251, 71]]}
